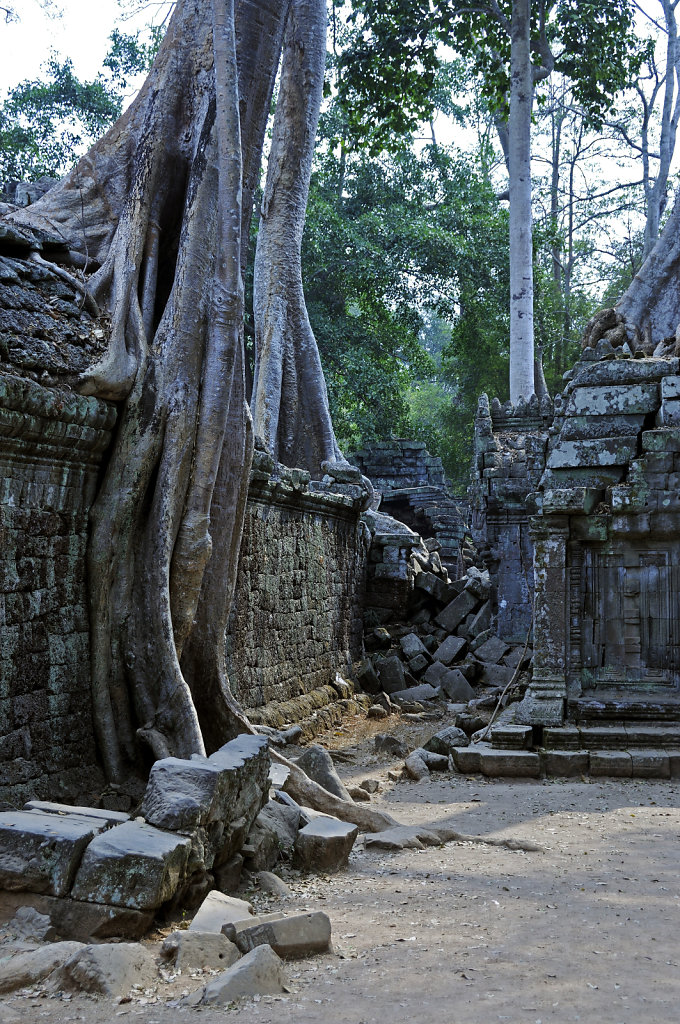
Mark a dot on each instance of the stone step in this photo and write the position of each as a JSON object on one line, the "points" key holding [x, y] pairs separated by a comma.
{"points": [[636, 763], [511, 737], [623, 736], [661, 706]]}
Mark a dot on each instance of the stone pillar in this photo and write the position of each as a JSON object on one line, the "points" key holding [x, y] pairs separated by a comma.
{"points": [[544, 701]]}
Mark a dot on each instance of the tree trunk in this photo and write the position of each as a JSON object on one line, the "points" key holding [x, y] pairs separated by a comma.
{"points": [[156, 206], [521, 255], [290, 403], [656, 194]]}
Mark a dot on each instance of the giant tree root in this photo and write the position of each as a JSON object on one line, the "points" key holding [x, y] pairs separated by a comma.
{"points": [[417, 837]]}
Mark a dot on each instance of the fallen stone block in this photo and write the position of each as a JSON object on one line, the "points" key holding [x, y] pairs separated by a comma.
{"points": [[271, 883], [434, 586], [247, 760], [450, 649], [481, 621], [455, 686], [260, 972], [435, 762], [377, 711], [367, 677], [492, 650], [192, 950], [478, 584], [41, 852], [446, 740], [391, 675], [84, 922], [325, 844], [228, 875], [496, 675], [417, 693], [100, 815], [295, 936], [111, 969], [217, 910], [132, 865], [317, 763], [358, 794], [371, 785], [418, 664], [29, 968], [183, 794], [435, 673], [468, 760], [454, 613], [412, 645], [415, 767], [234, 928]]}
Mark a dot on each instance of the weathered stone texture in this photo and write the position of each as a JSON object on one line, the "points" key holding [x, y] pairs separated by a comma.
{"points": [[296, 619], [51, 446]]}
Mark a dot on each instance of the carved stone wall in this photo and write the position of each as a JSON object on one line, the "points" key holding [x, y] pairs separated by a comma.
{"points": [[51, 447]]}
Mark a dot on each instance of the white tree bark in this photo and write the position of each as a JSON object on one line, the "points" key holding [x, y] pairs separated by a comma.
{"points": [[521, 255]]}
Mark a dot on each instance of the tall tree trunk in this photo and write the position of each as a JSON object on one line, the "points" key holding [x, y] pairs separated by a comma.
{"points": [[521, 255], [670, 114], [156, 205], [290, 403]]}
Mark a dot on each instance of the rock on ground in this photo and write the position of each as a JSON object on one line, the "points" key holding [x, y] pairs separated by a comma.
{"points": [[260, 972], [110, 969], [29, 968], [189, 950], [325, 844], [216, 910]]}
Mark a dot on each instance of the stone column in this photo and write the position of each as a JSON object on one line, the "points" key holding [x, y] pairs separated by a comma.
{"points": [[544, 701]]}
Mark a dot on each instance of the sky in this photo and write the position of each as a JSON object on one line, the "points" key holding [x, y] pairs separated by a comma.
{"points": [[81, 33]]}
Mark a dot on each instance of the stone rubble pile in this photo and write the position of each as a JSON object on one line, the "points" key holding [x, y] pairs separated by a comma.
{"points": [[447, 648]]}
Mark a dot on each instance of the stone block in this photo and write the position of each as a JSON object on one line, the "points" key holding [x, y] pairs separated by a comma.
{"points": [[419, 664], [367, 677], [617, 399], [183, 794], [614, 763], [565, 763], [411, 646], [272, 835], [670, 387], [603, 737], [452, 648], [605, 451], [562, 738], [192, 950], [434, 586], [447, 740], [260, 972], [295, 936], [512, 737], [217, 910], [33, 966], [453, 614], [492, 650], [391, 675], [132, 865], [663, 440], [417, 693], [496, 675], [514, 763], [435, 673], [468, 760], [571, 499], [325, 844], [650, 764], [40, 852], [102, 817], [455, 686], [110, 969], [481, 621]]}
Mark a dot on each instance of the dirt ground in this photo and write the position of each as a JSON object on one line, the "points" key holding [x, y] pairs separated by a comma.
{"points": [[586, 930]]}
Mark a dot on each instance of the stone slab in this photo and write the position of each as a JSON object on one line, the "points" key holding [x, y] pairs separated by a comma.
{"points": [[260, 972], [565, 763], [453, 614], [511, 737], [182, 794], [391, 675], [435, 673], [192, 950], [614, 763], [109, 969], [514, 763], [32, 966], [492, 650], [605, 451], [132, 865], [614, 399], [450, 649], [99, 814], [650, 764], [562, 738], [41, 852], [417, 693], [455, 686], [468, 760]]}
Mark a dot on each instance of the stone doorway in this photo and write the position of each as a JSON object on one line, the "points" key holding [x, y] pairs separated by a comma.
{"points": [[628, 605]]}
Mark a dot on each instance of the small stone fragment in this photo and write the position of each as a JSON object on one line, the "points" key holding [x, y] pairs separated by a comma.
{"points": [[376, 711], [358, 794], [415, 767], [28, 923], [325, 844], [371, 785]]}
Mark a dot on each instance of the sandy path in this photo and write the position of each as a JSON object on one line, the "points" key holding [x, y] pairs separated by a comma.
{"points": [[588, 930]]}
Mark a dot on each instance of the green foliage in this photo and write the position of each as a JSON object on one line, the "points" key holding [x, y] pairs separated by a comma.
{"points": [[46, 124], [389, 72]]}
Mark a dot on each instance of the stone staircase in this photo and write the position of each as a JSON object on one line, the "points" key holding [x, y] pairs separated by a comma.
{"points": [[640, 748]]}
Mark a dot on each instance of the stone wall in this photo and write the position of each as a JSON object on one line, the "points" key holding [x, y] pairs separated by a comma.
{"points": [[297, 615], [51, 447], [509, 459]]}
